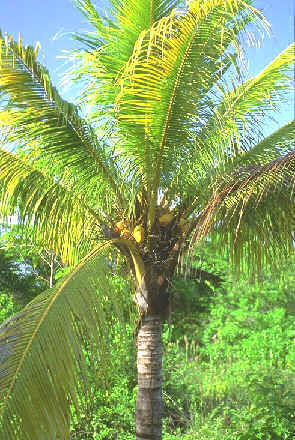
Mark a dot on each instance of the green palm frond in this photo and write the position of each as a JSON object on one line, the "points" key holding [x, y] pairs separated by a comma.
{"points": [[237, 124], [242, 110], [138, 11], [127, 19], [60, 215], [164, 85], [35, 113], [43, 351], [92, 40], [252, 213], [110, 46], [271, 147], [132, 17], [268, 149]]}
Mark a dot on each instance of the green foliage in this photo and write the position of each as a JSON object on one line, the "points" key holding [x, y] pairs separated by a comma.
{"points": [[7, 307], [17, 280], [228, 363], [238, 377], [110, 413], [27, 266]]}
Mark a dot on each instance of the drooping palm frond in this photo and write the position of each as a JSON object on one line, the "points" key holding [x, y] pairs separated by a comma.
{"points": [[165, 84], [252, 213], [59, 213], [270, 148], [44, 349], [199, 189], [33, 112]]}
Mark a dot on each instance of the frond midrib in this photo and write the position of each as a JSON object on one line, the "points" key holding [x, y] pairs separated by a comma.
{"points": [[156, 182]]}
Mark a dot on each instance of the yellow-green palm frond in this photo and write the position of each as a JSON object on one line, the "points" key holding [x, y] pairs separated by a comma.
{"points": [[43, 351], [153, 10], [59, 213], [238, 122], [110, 45], [252, 212], [34, 112], [133, 16], [165, 84], [268, 149], [126, 20]]}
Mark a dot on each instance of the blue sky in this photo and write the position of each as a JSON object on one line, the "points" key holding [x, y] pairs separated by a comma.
{"points": [[51, 21]]}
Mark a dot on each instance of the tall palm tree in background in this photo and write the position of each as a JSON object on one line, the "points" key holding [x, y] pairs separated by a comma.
{"points": [[171, 149]]}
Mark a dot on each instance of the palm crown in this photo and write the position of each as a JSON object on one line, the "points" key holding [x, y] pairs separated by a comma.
{"points": [[182, 154]]}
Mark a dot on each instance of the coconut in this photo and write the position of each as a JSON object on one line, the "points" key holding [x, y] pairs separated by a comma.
{"points": [[138, 233]]}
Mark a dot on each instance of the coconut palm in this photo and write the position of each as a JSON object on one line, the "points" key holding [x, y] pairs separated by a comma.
{"points": [[165, 147]]}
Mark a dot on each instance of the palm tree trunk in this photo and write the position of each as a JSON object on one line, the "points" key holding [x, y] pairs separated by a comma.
{"points": [[149, 367]]}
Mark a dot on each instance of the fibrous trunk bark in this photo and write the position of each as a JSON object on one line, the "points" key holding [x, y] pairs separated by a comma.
{"points": [[149, 368]]}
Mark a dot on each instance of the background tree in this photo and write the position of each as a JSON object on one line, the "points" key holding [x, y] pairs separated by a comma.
{"points": [[32, 256], [166, 86], [12, 280], [23, 271]]}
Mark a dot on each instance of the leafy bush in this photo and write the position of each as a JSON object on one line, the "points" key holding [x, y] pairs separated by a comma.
{"points": [[236, 380]]}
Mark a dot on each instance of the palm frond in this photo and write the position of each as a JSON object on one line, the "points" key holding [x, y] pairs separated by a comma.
{"points": [[35, 113], [237, 124], [252, 212], [154, 10], [109, 47], [272, 147], [164, 85], [60, 215], [268, 149], [237, 121], [44, 348], [126, 19]]}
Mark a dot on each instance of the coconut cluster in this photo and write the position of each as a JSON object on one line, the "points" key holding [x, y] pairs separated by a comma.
{"points": [[137, 234]]}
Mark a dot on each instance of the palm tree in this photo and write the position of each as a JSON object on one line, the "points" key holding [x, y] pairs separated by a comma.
{"points": [[171, 148]]}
